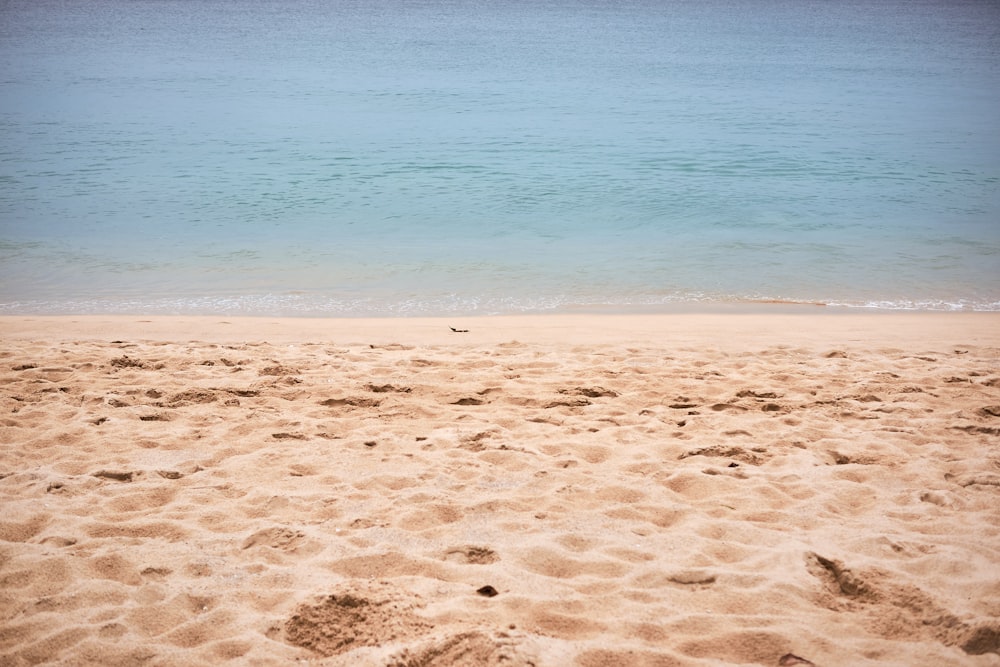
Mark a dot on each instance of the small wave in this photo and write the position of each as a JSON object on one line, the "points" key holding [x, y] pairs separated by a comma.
{"points": [[935, 305]]}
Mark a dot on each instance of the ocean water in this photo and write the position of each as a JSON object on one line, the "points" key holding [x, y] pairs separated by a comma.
{"points": [[433, 157]]}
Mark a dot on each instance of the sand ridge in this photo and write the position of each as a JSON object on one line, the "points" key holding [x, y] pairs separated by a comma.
{"points": [[808, 500]]}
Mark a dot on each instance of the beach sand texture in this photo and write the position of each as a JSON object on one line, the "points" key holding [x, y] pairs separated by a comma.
{"points": [[595, 491]]}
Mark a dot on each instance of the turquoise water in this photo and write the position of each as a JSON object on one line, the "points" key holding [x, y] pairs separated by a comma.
{"points": [[428, 157]]}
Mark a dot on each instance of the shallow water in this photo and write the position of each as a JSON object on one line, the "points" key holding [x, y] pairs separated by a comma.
{"points": [[453, 156]]}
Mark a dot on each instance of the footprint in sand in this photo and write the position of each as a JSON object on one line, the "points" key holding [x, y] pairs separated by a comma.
{"points": [[190, 397], [278, 537], [288, 436], [278, 371], [469, 648], [551, 563], [590, 392], [719, 407], [738, 453], [116, 475], [916, 614], [350, 402], [471, 554], [749, 393], [125, 361], [469, 401], [387, 388], [692, 578]]}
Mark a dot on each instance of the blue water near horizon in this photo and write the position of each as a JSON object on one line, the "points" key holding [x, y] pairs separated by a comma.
{"points": [[439, 157]]}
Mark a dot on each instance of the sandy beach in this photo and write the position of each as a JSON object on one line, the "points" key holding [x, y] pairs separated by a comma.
{"points": [[768, 486]]}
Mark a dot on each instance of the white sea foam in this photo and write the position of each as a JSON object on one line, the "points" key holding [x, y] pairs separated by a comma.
{"points": [[316, 306]]}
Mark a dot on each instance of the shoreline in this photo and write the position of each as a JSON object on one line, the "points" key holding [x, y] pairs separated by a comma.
{"points": [[267, 308], [737, 327]]}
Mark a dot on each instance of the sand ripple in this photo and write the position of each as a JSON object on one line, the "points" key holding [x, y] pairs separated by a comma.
{"points": [[514, 504]]}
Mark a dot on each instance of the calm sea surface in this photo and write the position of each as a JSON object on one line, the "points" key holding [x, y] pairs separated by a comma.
{"points": [[427, 157]]}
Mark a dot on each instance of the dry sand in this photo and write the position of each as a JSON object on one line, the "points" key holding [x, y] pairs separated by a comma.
{"points": [[790, 488]]}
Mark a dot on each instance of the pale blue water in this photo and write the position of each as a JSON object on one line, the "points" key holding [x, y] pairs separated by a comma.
{"points": [[378, 157]]}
